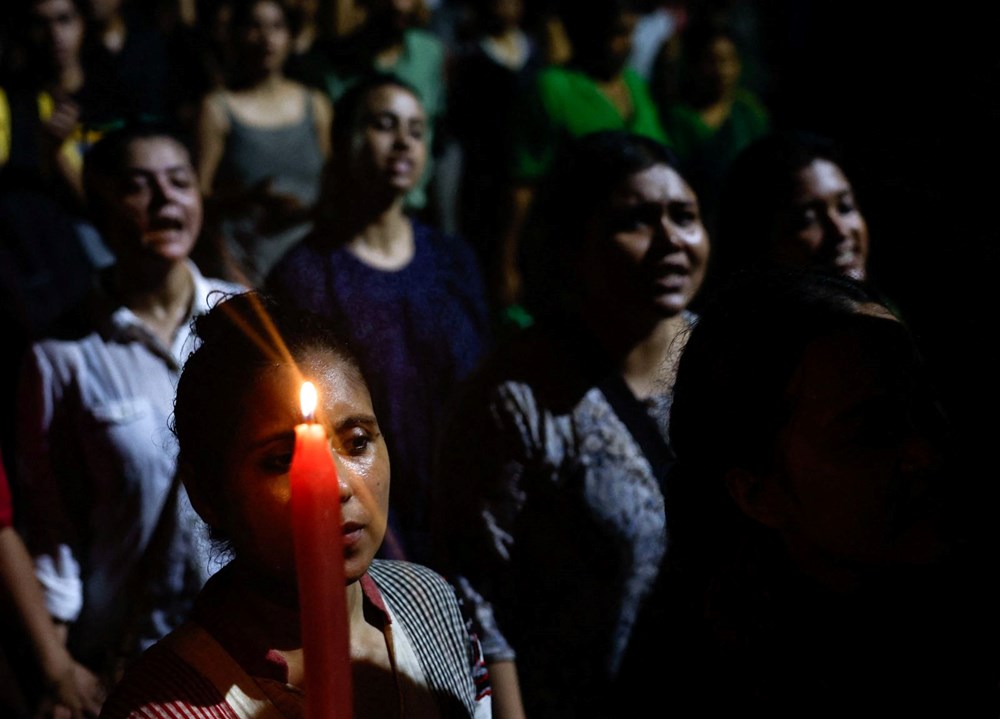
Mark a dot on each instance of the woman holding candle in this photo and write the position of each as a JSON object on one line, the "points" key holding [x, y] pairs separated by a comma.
{"points": [[236, 415]]}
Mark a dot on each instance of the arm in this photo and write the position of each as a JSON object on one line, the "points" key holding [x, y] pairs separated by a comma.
{"points": [[70, 685], [535, 135], [43, 442], [62, 160], [323, 114], [509, 284], [478, 498], [506, 691], [210, 140]]}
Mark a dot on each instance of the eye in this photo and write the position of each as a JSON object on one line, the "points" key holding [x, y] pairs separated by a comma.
{"points": [[382, 121], [357, 441], [182, 180], [630, 219], [134, 184], [846, 205], [417, 130], [804, 217], [277, 463], [684, 215], [357, 445]]}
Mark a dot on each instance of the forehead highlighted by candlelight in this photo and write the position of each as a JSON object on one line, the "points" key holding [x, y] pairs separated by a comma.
{"points": [[242, 336]]}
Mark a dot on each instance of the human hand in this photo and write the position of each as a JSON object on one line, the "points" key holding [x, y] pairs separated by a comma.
{"points": [[276, 210], [76, 693], [62, 122]]}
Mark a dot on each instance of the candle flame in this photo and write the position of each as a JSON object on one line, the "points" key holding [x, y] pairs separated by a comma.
{"points": [[308, 399]]}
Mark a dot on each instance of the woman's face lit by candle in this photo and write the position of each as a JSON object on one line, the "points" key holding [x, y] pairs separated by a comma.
{"points": [[256, 511]]}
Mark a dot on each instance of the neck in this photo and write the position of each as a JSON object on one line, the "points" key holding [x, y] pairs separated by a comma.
{"points": [[272, 616], [647, 354], [68, 79], [159, 294], [262, 82], [385, 242], [358, 212], [141, 283], [385, 230]]}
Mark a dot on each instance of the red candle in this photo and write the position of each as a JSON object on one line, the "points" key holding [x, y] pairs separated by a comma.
{"points": [[319, 561]]}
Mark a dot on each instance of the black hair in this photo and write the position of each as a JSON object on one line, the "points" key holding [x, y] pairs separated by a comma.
{"points": [[242, 14], [241, 336], [588, 25], [586, 172], [729, 397]]}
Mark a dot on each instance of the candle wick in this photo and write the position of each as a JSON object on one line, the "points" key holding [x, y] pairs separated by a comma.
{"points": [[310, 418]]}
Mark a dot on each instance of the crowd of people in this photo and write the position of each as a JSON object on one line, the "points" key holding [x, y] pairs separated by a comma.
{"points": [[665, 415]]}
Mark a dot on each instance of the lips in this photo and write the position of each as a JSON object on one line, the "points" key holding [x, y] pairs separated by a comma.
{"points": [[160, 224], [671, 273], [850, 265], [353, 532], [401, 165]]}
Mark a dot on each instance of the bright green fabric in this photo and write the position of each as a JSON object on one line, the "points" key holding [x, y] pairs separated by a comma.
{"points": [[567, 103]]}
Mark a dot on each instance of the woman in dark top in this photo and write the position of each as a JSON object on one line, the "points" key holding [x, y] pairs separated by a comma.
{"points": [[411, 297]]}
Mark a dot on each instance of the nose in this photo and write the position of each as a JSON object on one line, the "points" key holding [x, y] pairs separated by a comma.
{"points": [[667, 235], [345, 480], [837, 226], [402, 138]]}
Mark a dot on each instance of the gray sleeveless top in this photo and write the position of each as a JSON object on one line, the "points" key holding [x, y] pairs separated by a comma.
{"points": [[291, 156]]}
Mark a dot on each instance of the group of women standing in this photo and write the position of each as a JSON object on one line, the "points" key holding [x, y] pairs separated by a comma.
{"points": [[570, 510]]}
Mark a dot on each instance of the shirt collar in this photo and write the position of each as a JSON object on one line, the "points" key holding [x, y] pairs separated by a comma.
{"points": [[220, 609], [119, 323]]}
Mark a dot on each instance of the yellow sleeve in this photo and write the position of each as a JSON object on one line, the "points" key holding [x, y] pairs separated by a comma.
{"points": [[4, 128], [70, 149]]}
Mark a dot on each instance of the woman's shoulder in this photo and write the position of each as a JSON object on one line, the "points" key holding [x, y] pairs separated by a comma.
{"points": [[415, 592], [403, 576], [162, 684], [307, 259], [446, 243]]}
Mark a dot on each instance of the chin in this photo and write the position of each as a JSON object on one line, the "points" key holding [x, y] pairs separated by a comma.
{"points": [[169, 249], [856, 273], [671, 305], [356, 563]]}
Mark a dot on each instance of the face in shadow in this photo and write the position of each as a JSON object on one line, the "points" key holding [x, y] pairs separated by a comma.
{"points": [[646, 249], [858, 460]]}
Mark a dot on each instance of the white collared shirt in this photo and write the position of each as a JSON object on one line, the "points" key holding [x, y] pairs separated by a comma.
{"points": [[96, 459]]}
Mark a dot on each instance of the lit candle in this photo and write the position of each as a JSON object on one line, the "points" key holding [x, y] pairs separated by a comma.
{"points": [[319, 561]]}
